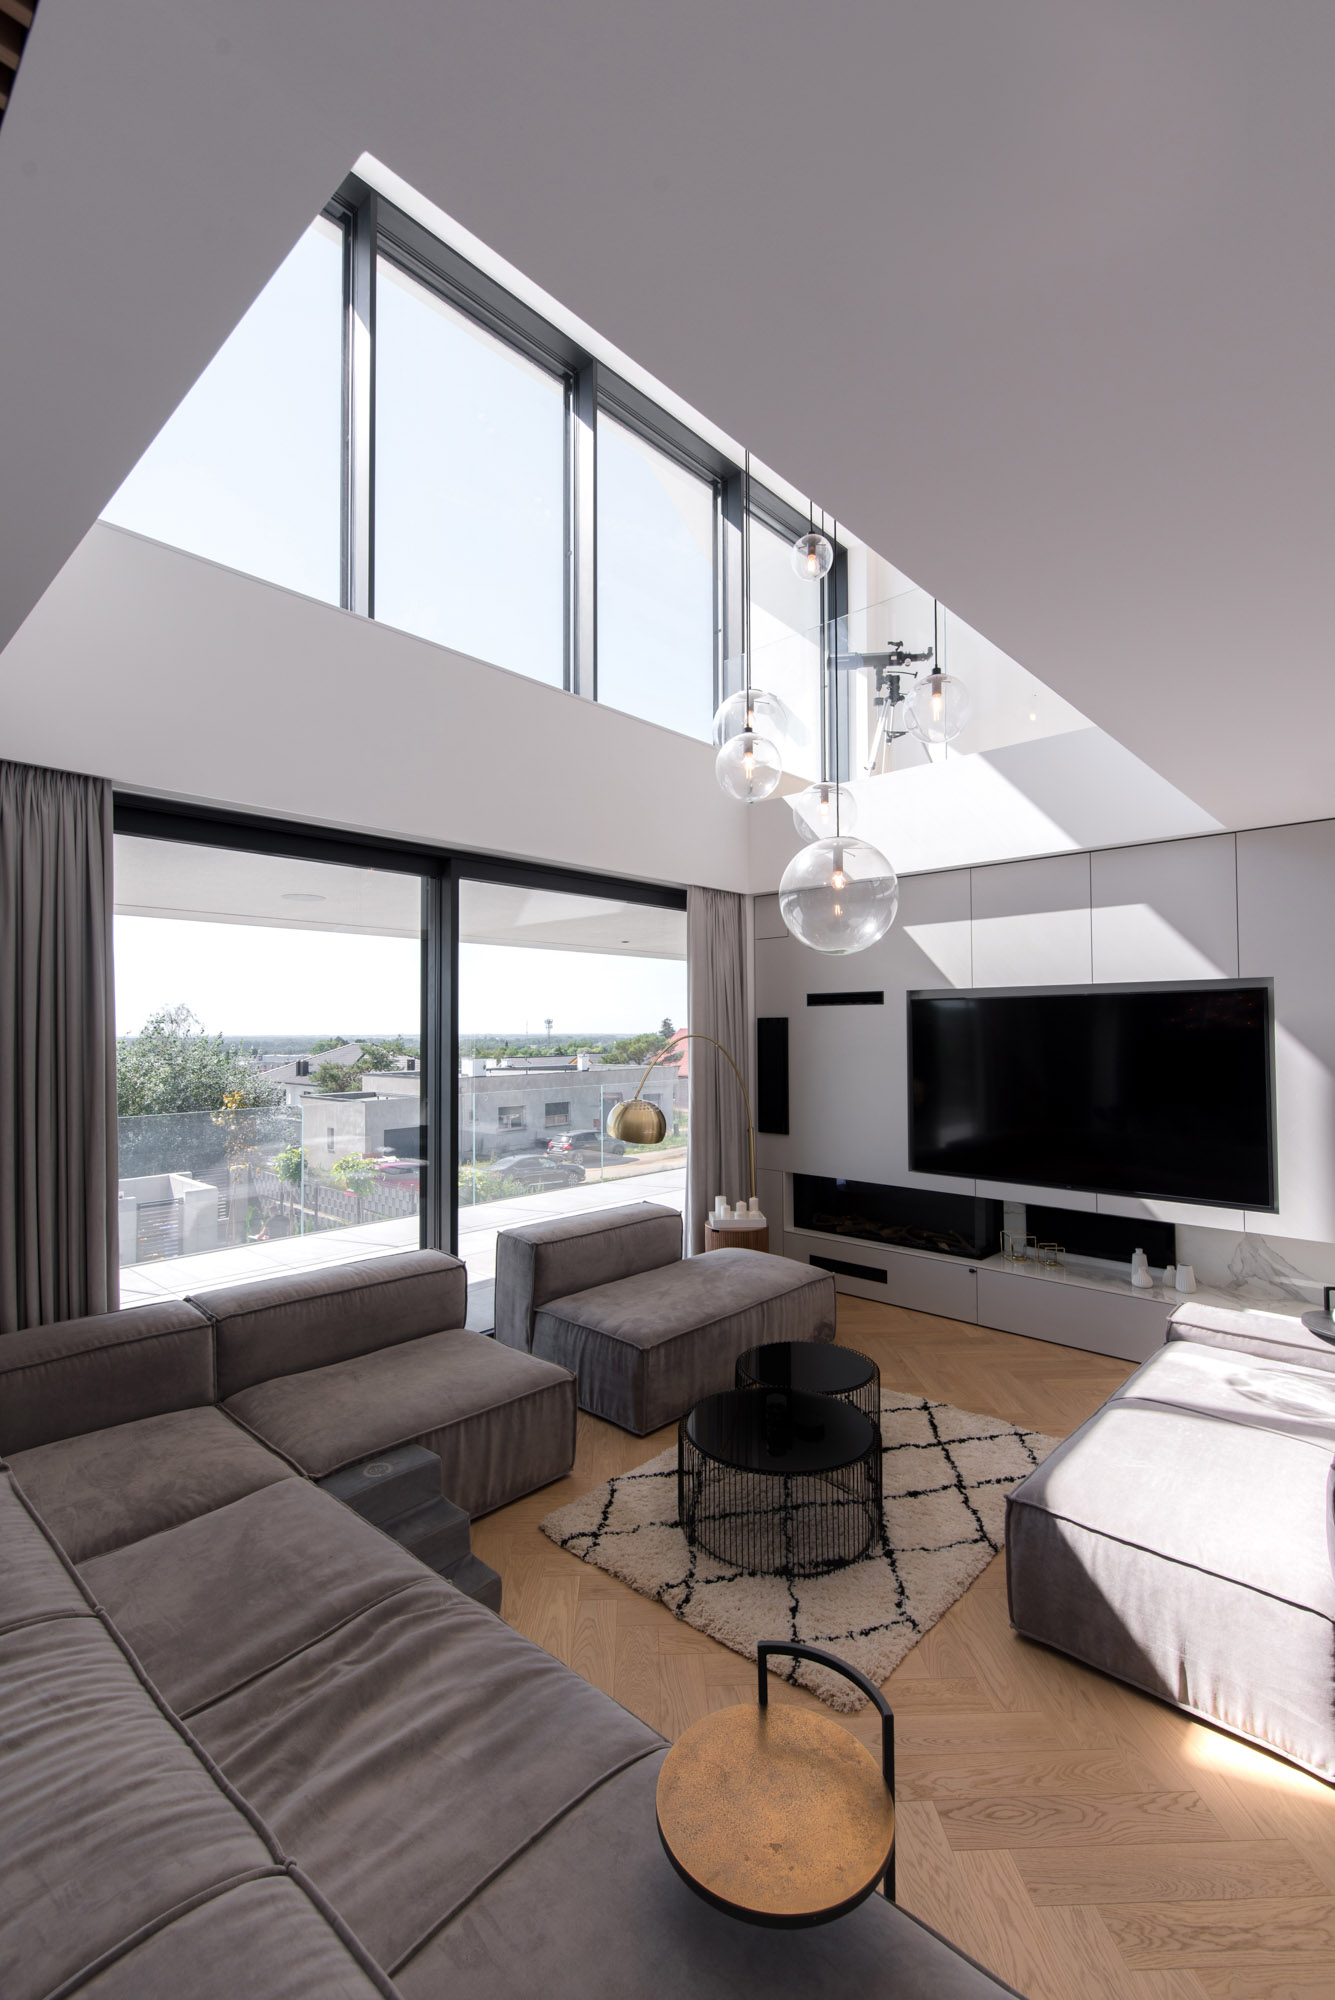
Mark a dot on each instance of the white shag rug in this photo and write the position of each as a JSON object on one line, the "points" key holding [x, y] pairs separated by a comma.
{"points": [[946, 1477]]}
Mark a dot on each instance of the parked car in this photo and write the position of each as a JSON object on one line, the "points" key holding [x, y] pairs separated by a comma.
{"points": [[537, 1172], [586, 1145], [401, 1173]]}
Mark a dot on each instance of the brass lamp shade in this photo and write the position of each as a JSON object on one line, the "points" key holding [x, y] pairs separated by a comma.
{"points": [[638, 1123]]}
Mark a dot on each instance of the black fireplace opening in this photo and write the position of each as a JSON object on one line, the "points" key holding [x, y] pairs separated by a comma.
{"points": [[954, 1225]]}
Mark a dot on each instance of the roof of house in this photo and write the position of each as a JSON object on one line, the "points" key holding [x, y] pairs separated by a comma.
{"points": [[346, 1053]]}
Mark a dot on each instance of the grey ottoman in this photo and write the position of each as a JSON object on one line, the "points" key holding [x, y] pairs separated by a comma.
{"points": [[646, 1333], [1178, 1540]]}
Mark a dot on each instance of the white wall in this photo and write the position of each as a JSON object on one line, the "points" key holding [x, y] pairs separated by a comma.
{"points": [[170, 674], [1253, 904]]}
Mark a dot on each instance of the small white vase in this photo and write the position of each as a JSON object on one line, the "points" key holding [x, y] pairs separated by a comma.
{"points": [[1186, 1278]]}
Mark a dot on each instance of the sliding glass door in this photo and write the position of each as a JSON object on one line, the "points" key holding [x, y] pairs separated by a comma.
{"points": [[289, 1088], [269, 1064], [564, 999]]}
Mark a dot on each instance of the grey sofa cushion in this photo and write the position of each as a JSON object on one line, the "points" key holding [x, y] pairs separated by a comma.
{"points": [[502, 1423], [34, 1583], [282, 1326], [406, 1757], [267, 1936], [207, 1606], [109, 1487], [1280, 1335], [594, 1911], [1187, 1554], [1238, 1388], [87, 1374], [548, 1260], [647, 1348], [108, 1819]]}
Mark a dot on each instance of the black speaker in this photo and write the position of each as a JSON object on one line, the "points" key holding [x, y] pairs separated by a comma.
{"points": [[772, 1073]]}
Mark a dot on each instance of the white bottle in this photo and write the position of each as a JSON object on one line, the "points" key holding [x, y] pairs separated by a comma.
{"points": [[1169, 1277], [1140, 1271]]}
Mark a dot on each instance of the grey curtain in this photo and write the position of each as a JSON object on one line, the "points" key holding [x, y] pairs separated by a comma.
{"points": [[716, 1158], [58, 1257]]}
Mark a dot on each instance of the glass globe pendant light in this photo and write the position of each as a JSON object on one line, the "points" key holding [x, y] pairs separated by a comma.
{"points": [[839, 895], [818, 809], [813, 556], [937, 707], [748, 765], [749, 708]]}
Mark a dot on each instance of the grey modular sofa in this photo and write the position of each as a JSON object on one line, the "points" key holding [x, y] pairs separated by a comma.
{"points": [[1181, 1539], [645, 1331], [322, 1368], [250, 1746]]}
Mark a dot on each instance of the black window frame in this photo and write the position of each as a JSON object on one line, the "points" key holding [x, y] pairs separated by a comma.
{"points": [[375, 227]]}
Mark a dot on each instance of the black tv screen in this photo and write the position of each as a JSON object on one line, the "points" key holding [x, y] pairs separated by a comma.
{"points": [[1163, 1091]]}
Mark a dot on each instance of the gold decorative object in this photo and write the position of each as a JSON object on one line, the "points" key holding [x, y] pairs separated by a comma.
{"points": [[641, 1124], [1051, 1256]]}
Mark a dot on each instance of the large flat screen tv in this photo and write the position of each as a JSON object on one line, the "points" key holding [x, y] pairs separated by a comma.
{"points": [[1163, 1091]]}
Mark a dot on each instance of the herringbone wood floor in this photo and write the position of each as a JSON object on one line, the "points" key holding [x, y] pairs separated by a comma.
{"points": [[1079, 1838]]}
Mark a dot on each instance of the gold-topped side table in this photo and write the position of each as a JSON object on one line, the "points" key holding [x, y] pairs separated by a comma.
{"points": [[778, 1816]]}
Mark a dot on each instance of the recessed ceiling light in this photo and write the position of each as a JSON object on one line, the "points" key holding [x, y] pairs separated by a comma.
{"points": [[302, 896]]}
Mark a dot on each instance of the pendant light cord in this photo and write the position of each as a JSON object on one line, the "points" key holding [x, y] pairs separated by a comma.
{"points": [[746, 586], [832, 655]]}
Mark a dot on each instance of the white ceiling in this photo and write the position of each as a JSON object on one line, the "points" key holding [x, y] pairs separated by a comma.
{"points": [[175, 879], [1036, 298]]}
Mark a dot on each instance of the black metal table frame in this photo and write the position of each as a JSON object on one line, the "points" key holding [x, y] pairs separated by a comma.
{"points": [[799, 1530]]}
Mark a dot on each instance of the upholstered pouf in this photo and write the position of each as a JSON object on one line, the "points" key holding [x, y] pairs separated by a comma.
{"points": [[647, 1333], [1179, 1541]]}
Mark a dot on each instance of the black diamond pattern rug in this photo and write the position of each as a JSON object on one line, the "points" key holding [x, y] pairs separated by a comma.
{"points": [[946, 1477]]}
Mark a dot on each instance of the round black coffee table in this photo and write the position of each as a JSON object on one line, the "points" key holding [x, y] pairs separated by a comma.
{"points": [[779, 1481], [817, 1366]]}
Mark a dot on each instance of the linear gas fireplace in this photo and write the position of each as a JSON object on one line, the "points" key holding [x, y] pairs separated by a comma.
{"points": [[956, 1225]]}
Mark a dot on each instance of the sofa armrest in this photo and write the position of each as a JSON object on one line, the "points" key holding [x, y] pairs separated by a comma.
{"points": [[81, 1375], [550, 1260], [283, 1326], [1276, 1336]]}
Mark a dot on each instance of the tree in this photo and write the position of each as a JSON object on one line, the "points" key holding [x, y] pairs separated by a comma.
{"points": [[667, 1031], [171, 1065], [355, 1173], [337, 1076], [374, 1056], [325, 1043]]}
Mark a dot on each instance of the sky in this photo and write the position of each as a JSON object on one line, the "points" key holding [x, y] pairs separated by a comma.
{"points": [[244, 979]]}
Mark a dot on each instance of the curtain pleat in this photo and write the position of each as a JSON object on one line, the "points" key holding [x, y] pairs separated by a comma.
{"points": [[58, 1249], [717, 1156]]}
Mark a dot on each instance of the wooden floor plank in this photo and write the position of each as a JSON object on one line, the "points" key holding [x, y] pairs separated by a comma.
{"points": [[1274, 1934], [1188, 1871], [1137, 1818]]}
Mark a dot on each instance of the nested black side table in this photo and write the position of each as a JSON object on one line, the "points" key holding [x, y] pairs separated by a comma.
{"points": [[779, 1481], [817, 1366]]}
